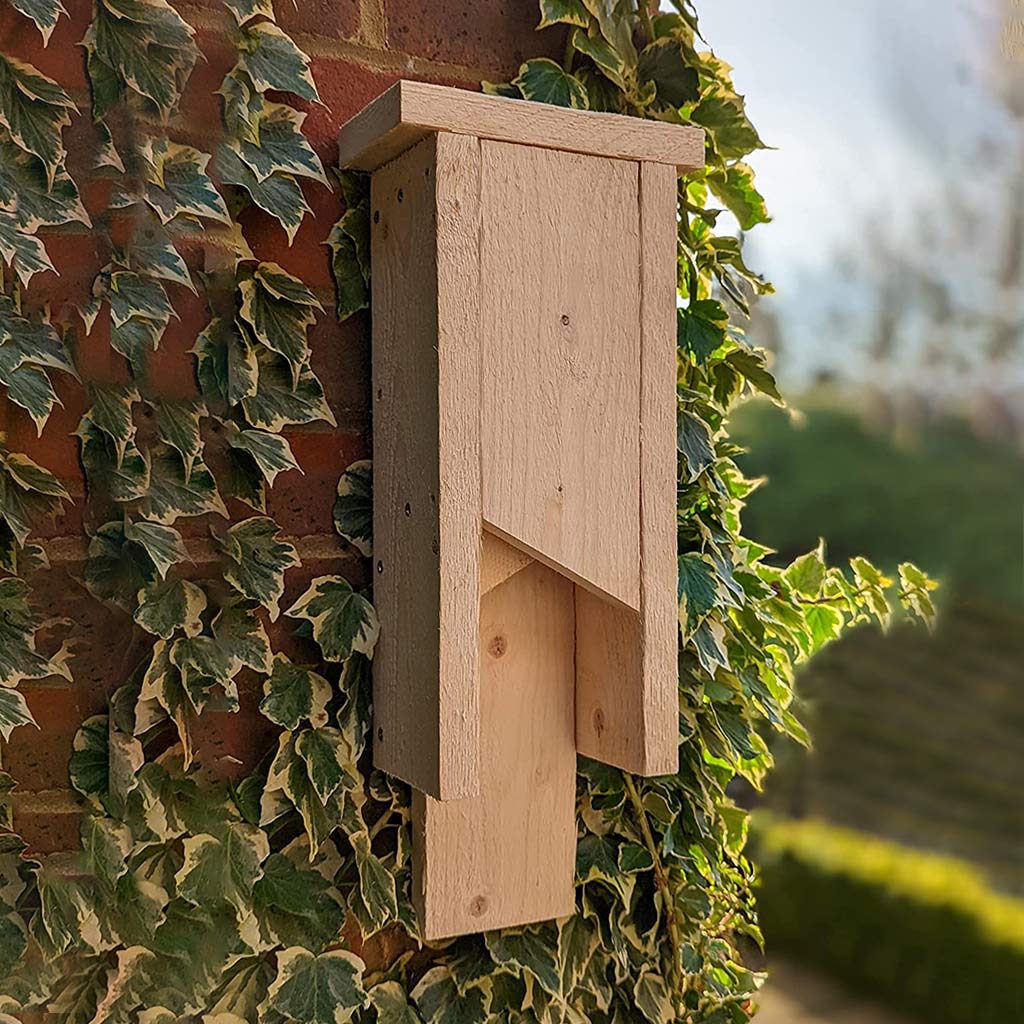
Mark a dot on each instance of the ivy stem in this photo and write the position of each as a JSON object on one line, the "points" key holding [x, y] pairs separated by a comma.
{"points": [[569, 54], [661, 879]]}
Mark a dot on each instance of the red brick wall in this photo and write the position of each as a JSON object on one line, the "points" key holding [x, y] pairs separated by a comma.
{"points": [[358, 48]]}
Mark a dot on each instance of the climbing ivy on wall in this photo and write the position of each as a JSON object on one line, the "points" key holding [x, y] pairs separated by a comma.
{"points": [[285, 896]]}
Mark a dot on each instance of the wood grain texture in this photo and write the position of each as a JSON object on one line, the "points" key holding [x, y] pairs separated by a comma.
{"points": [[408, 111], [426, 375], [507, 857], [498, 562], [560, 339], [626, 664]]}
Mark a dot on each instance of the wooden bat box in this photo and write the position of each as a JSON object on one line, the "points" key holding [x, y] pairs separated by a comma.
{"points": [[524, 459]]}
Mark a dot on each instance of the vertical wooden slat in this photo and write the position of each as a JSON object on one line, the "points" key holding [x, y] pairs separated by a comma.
{"points": [[561, 340], [425, 213], [507, 856], [627, 668]]}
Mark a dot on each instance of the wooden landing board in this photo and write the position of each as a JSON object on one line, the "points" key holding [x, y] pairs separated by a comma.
{"points": [[409, 111], [507, 857], [560, 340], [627, 674], [426, 522]]}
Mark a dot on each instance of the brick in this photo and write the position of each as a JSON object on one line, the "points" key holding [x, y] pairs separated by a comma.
{"points": [[48, 832], [331, 19], [62, 60], [498, 35], [43, 765], [305, 501], [341, 359], [230, 745]]}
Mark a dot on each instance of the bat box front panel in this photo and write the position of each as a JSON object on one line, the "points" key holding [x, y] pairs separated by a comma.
{"points": [[560, 361]]}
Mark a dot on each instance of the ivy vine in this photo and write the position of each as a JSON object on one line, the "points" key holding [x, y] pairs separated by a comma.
{"points": [[285, 895]]}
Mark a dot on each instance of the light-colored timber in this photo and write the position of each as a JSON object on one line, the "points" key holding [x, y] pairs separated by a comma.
{"points": [[409, 111]]}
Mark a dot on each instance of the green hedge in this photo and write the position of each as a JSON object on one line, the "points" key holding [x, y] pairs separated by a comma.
{"points": [[920, 932]]}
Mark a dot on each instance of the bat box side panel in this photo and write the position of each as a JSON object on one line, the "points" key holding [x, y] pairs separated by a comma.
{"points": [[425, 265]]}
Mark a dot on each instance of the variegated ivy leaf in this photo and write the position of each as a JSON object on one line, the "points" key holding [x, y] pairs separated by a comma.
{"points": [[30, 341], [169, 606], [240, 634], [144, 45], [27, 491], [135, 339], [246, 10], [282, 147], [65, 918], [158, 258], [440, 1001], [242, 104], [324, 989], [163, 695], [117, 569], [133, 296], [111, 413], [343, 621], [104, 762], [257, 560], [279, 324], [223, 868], [279, 194], [226, 362], [278, 403], [353, 508], [43, 12], [34, 109], [270, 452], [30, 388], [568, 12], [349, 241], [653, 998], [13, 709], [293, 693], [377, 906], [179, 427], [179, 185], [297, 904], [19, 658], [282, 285], [24, 252], [329, 759], [121, 477], [544, 81], [531, 949], [163, 544], [289, 785], [172, 494], [275, 62], [37, 201], [107, 844], [203, 663], [392, 1005], [612, 62]]}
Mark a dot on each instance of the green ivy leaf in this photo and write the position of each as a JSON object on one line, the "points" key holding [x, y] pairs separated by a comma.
{"points": [[349, 242], [281, 146], [271, 452], [257, 560], [751, 363], [663, 64], [378, 903], [278, 194], [227, 367], [529, 949], [701, 328], [353, 508], [342, 620], [653, 998], [324, 989], [293, 693], [698, 591], [735, 187]]}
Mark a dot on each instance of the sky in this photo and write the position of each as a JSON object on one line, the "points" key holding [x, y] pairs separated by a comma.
{"points": [[873, 108]]}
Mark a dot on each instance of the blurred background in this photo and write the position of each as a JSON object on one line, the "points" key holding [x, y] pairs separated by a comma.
{"points": [[893, 853]]}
